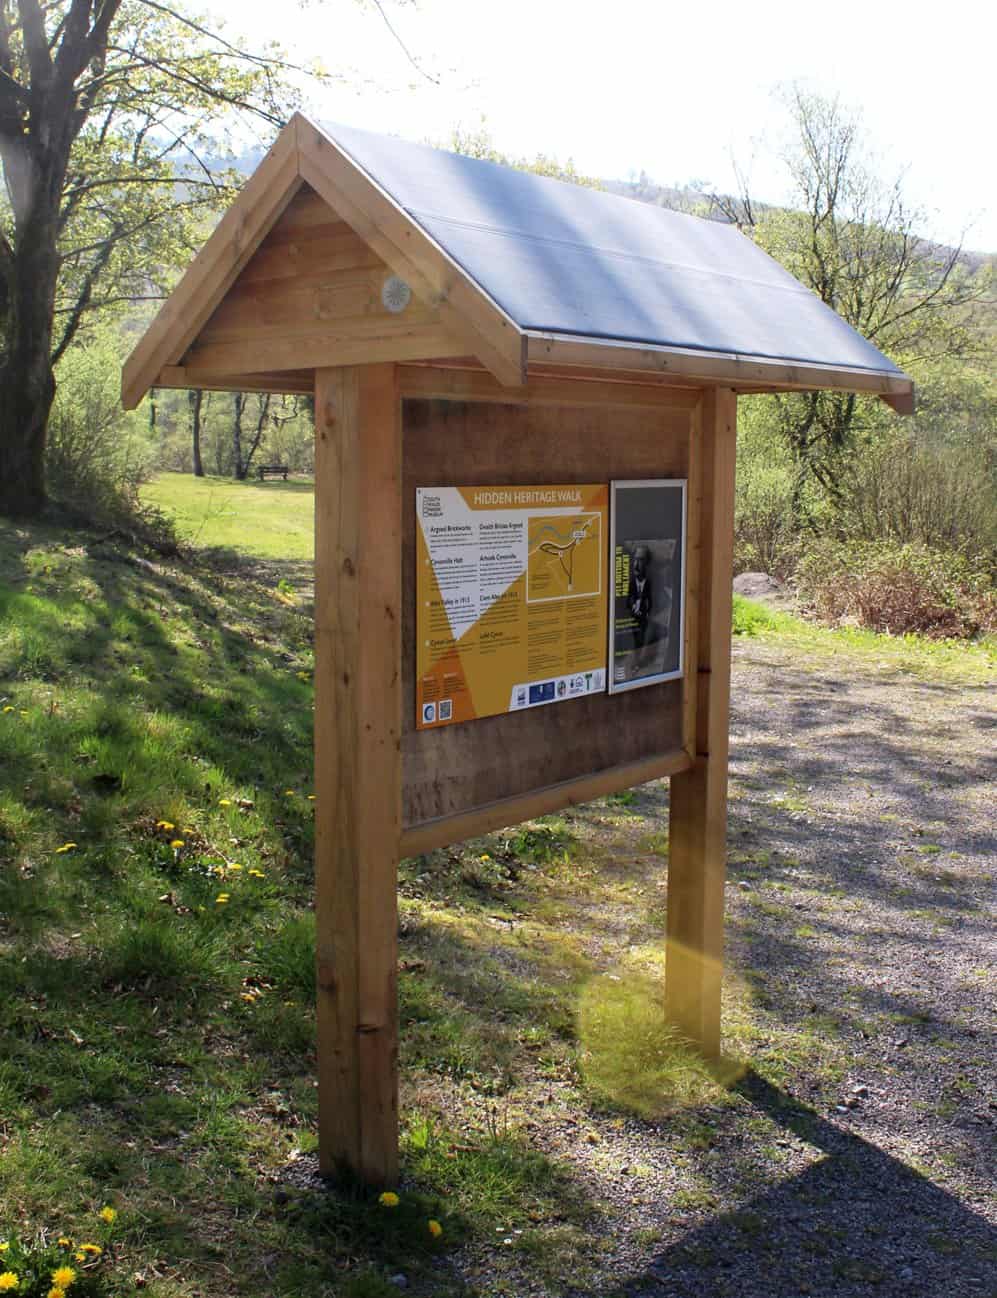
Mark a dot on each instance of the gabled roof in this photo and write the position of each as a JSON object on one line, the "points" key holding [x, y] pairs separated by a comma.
{"points": [[530, 270], [562, 259]]}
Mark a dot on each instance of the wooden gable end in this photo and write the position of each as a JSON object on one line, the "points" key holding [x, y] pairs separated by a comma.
{"points": [[311, 296]]}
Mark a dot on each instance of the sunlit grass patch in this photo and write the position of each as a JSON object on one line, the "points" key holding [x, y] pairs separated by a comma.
{"points": [[969, 661], [632, 1057]]}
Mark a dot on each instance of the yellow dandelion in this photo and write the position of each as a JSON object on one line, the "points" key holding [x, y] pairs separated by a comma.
{"points": [[389, 1199], [79, 1256], [224, 802], [8, 708], [165, 824], [63, 1242], [94, 1250], [220, 900], [289, 793], [234, 865], [9, 1280], [435, 1229], [311, 797], [63, 1276], [108, 1214], [56, 1292], [66, 847], [176, 843]]}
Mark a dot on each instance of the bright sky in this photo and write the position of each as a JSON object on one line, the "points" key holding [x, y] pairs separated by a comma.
{"points": [[673, 89]]}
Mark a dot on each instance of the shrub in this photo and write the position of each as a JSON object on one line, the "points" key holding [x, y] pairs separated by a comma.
{"points": [[96, 455], [898, 589], [912, 491]]}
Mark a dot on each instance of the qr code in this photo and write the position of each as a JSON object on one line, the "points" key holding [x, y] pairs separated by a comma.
{"points": [[446, 709]]}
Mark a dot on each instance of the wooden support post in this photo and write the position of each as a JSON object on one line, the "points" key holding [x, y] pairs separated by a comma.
{"points": [[357, 765], [698, 803]]}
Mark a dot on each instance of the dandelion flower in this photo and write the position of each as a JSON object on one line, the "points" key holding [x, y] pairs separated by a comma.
{"points": [[63, 1242], [311, 797], [289, 793], [56, 1292], [224, 802], [8, 708], [389, 1199], [9, 1280], [165, 824], [234, 865], [66, 847], [80, 1256], [220, 900], [108, 1214], [94, 1250], [176, 843], [435, 1229], [63, 1276]]}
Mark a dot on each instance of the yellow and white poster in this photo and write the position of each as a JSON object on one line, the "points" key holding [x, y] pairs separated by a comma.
{"points": [[511, 589]]}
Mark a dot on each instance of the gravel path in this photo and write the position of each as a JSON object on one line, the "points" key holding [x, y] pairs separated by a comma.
{"points": [[863, 842], [856, 1155]]}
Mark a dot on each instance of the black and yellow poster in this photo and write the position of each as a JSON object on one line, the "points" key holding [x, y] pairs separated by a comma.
{"points": [[512, 593], [648, 557]]}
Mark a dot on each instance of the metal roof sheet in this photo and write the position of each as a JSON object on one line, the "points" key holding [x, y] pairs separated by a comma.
{"points": [[559, 258]]}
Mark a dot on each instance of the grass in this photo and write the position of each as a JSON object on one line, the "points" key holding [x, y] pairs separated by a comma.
{"points": [[269, 520], [970, 662], [157, 1046]]}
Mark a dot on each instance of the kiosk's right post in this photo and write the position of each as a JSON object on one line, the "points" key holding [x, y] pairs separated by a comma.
{"points": [[698, 801]]}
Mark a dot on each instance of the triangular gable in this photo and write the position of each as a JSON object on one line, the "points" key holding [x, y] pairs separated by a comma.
{"points": [[196, 333]]}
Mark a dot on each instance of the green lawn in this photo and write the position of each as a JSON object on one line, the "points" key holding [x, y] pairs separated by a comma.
{"points": [[267, 520]]}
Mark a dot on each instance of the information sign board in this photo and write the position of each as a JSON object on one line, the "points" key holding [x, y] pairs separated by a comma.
{"points": [[511, 590], [648, 556]]}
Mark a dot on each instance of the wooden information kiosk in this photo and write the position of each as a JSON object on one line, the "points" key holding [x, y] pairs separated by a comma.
{"points": [[462, 325]]}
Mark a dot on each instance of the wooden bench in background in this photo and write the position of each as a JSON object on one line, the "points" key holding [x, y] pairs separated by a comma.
{"points": [[264, 469]]}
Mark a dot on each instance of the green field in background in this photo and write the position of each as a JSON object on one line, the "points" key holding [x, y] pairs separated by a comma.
{"points": [[271, 520]]}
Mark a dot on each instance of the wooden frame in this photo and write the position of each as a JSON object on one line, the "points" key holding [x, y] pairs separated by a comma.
{"points": [[262, 309], [359, 725]]}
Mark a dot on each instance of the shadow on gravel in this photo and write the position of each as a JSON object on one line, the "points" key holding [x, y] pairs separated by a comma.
{"points": [[856, 1222]]}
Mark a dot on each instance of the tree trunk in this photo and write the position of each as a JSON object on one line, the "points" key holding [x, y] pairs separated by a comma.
{"points": [[238, 406], [27, 380], [194, 399]]}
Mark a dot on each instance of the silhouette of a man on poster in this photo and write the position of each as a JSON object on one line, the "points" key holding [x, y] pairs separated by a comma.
{"points": [[639, 595]]}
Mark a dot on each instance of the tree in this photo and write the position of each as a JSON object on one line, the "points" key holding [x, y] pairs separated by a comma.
{"points": [[106, 107], [195, 402], [854, 240]]}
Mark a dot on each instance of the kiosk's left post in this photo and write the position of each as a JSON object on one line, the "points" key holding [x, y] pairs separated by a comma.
{"points": [[358, 607]]}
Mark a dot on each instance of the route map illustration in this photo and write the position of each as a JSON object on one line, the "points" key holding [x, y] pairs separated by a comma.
{"points": [[564, 557]]}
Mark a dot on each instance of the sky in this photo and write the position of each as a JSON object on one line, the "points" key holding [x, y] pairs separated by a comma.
{"points": [[680, 91]]}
